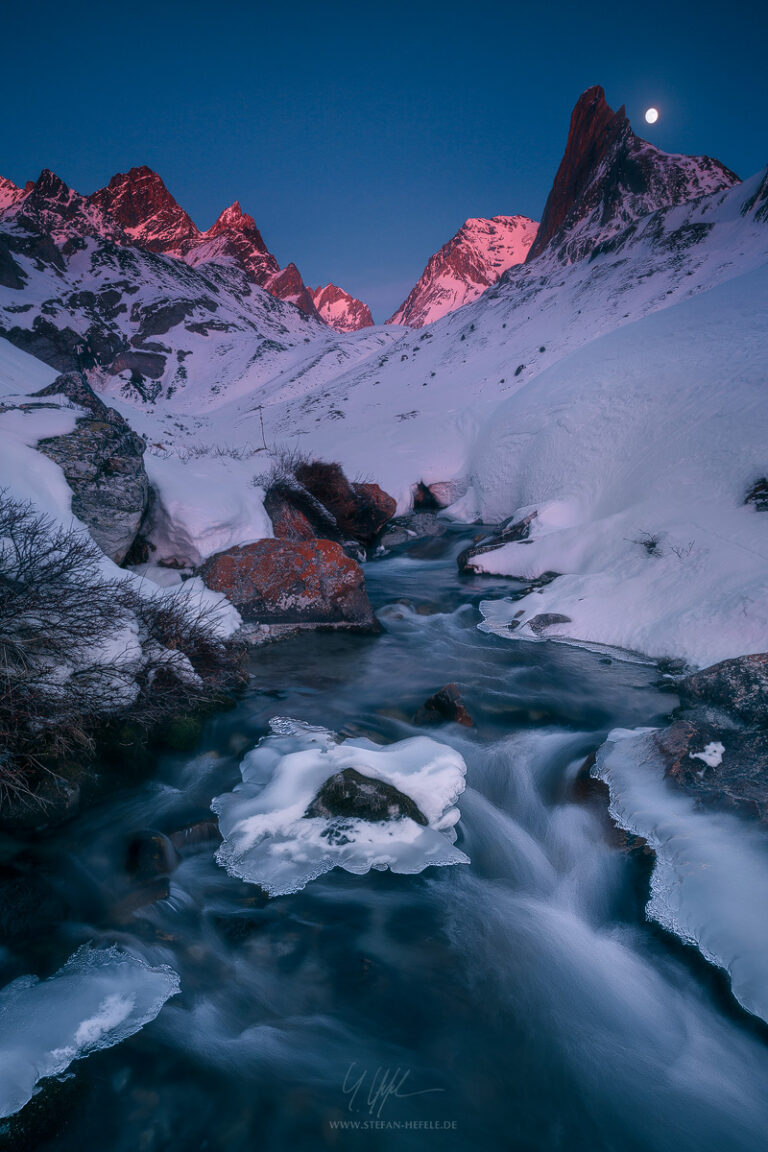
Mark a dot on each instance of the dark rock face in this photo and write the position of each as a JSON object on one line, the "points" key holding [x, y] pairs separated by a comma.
{"points": [[11, 275], [739, 686], [103, 463], [609, 177], [352, 795], [739, 782], [717, 746], [52, 208], [359, 510], [446, 704], [62, 348], [310, 583], [758, 495], [150, 364], [508, 533], [545, 620]]}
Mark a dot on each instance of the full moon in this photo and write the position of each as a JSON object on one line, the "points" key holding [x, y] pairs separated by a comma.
{"points": [[652, 115]]}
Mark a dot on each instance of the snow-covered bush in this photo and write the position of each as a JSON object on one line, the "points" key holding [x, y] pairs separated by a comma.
{"points": [[79, 648]]}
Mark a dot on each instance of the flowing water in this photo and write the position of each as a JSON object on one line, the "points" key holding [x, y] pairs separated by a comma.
{"points": [[519, 1002]]}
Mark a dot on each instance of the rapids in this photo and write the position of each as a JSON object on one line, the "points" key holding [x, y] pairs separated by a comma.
{"points": [[521, 1001]]}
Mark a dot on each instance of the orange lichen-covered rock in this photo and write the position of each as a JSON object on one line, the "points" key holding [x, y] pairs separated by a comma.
{"points": [[310, 583]]}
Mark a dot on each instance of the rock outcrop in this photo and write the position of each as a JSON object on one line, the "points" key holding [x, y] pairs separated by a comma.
{"points": [[445, 705], [103, 463], [716, 748], [304, 584], [739, 686], [510, 532]]}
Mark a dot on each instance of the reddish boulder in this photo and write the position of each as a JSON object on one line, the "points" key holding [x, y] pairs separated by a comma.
{"points": [[310, 583], [375, 508], [288, 521], [446, 704], [360, 510]]}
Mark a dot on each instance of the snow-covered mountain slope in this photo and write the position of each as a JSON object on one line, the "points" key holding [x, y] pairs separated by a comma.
{"points": [[636, 453], [414, 411], [340, 310], [152, 219], [461, 271], [157, 324], [136, 210], [609, 177]]}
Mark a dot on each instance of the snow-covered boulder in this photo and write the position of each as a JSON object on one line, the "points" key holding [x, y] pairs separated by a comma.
{"points": [[287, 823]]}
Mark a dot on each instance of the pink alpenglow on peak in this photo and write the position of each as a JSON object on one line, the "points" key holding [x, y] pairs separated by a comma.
{"points": [[140, 202], [340, 310], [9, 193], [609, 177], [476, 257]]}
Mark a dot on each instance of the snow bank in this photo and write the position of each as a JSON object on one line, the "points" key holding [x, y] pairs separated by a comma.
{"points": [[204, 505], [268, 841], [27, 474], [637, 453], [99, 997], [710, 882], [20, 372]]}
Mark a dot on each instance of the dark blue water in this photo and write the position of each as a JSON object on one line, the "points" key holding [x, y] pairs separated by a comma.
{"points": [[520, 1002]]}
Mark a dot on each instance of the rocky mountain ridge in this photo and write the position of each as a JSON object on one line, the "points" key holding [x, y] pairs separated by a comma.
{"points": [[473, 259], [341, 311], [609, 177]]}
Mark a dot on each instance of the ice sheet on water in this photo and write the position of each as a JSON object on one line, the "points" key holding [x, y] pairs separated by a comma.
{"points": [[100, 997], [268, 840], [710, 882]]}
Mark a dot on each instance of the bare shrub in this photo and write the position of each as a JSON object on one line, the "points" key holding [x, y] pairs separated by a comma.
{"points": [[286, 460], [63, 673], [650, 541], [55, 609]]}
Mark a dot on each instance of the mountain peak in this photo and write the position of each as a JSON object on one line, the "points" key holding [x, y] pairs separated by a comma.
{"points": [[233, 219], [140, 202], [609, 177], [341, 311], [10, 193], [473, 259]]}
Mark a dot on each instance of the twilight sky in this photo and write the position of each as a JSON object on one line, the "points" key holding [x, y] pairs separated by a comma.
{"points": [[361, 136]]}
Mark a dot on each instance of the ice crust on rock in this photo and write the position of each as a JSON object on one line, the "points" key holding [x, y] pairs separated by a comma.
{"points": [[710, 881], [98, 998], [268, 840]]}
